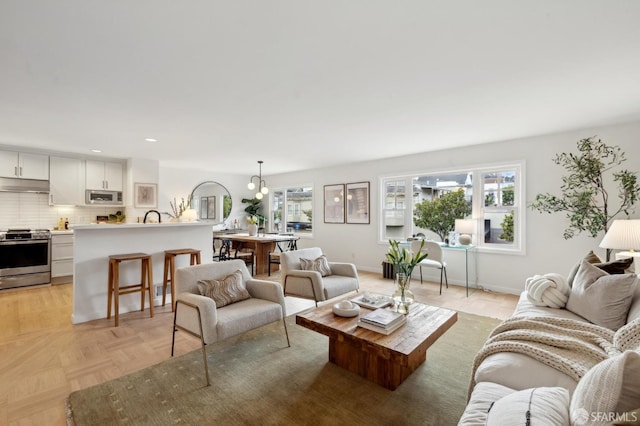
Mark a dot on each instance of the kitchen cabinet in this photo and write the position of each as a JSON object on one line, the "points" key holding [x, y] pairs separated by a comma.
{"points": [[61, 255], [23, 165], [66, 181], [103, 175]]}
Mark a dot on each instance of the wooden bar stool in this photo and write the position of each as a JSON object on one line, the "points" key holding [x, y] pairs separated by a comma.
{"points": [[115, 289], [170, 271]]}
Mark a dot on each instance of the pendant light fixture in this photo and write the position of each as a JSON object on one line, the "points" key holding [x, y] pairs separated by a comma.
{"points": [[262, 186]]}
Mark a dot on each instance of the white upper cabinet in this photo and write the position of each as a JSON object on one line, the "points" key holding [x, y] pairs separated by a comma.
{"points": [[104, 175], [66, 181], [23, 165]]}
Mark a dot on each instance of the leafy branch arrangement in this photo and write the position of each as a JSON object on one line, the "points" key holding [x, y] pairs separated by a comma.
{"points": [[178, 209], [585, 199], [402, 260]]}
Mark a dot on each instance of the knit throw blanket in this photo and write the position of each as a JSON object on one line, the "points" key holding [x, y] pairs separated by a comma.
{"points": [[570, 346]]}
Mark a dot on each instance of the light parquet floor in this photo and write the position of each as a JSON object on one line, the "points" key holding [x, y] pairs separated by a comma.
{"points": [[43, 357]]}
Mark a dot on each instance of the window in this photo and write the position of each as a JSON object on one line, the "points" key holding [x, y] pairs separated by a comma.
{"points": [[292, 210], [494, 199]]}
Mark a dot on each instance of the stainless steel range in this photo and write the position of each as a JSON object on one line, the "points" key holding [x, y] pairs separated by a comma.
{"points": [[25, 257]]}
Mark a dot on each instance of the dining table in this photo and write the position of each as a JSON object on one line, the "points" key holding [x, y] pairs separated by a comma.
{"points": [[261, 245]]}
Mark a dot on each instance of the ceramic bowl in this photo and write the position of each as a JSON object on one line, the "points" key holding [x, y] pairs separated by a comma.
{"points": [[348, 312]]}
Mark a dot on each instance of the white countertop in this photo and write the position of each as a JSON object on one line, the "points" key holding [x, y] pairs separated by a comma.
{"points": [[97, 226]]}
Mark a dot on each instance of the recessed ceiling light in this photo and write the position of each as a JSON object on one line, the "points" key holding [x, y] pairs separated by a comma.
{"points": [[151, 140], [96, 150]]}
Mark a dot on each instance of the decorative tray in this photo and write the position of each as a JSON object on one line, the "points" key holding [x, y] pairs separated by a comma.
{"points": [[373, 301]]}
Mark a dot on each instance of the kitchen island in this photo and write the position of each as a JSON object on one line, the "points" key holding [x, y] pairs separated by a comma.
{"points": [[95, 243]]}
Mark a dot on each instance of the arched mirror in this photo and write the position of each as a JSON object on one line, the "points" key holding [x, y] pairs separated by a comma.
{"points": [[212, 201]]}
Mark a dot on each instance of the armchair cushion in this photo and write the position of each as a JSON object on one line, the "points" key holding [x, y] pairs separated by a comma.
{"points": [[320, 264], [228, 290]]}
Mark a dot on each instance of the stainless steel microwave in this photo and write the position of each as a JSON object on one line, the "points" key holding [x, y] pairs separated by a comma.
{"points": [[103, 197]]}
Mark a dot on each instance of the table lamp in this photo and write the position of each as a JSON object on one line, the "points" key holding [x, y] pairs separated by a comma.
{"points": [[465, 227], [622, 235]]}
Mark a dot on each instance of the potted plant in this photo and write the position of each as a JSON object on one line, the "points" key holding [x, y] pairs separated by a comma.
{"points": [[404, 262], [253, 225], [584, 192]]}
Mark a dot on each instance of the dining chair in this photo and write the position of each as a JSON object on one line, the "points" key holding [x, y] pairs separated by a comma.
{"points": [[281, 247], [434, 260]]}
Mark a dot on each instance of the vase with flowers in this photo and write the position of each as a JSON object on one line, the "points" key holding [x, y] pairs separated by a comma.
{"points": [[252, 225], [404, 261]]}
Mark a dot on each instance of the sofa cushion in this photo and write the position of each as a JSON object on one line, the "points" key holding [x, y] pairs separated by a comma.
{"points": [[591, 257], [228, 290], [611, 386], [634, 309], [539, 406], [513, 370], [601, 298], [527, 309], [320, 264], [484, 395]]}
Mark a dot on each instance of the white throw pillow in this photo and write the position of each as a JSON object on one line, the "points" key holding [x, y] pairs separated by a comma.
{"points": [[610, 389], [543, 406], [321, 264]]}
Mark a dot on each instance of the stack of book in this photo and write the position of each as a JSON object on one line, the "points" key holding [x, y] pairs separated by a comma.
{"points": [[382, 321]]}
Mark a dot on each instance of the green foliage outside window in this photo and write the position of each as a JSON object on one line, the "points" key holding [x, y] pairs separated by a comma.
{"points": [[439, 215], [507, 227]]}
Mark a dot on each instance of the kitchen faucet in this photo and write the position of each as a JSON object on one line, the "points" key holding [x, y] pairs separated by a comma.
{"points": [[152, 211]]}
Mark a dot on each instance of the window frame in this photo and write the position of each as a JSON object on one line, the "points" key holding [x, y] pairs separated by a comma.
{"points": [[478, 208], [285, 207]]}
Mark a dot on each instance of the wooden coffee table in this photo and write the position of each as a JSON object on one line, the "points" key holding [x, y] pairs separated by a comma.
{"points": [[385, 360]]}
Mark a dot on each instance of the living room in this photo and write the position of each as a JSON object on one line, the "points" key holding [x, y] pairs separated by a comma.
{"points": [[446, 88]]}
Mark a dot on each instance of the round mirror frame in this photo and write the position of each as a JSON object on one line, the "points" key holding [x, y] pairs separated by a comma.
{"points": [[214, 206]]}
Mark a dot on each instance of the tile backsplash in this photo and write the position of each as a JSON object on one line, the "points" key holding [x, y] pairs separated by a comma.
{"points": [[29, 210]]}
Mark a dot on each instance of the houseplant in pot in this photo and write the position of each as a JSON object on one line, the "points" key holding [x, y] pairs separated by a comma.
{"points": [[404, 262]]}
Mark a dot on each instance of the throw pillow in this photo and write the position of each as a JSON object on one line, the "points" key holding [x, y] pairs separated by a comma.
{"points": [[610, 389], [228, 290], [591, 257], [320, 264], [601, 298], [545, 406], [620, 266]]}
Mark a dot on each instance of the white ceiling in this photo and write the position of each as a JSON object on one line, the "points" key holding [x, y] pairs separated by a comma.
{"points": [[309, 83]]}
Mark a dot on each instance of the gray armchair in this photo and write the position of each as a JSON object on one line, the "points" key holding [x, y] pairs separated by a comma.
{"points": [[199, 316], [311, 284]]}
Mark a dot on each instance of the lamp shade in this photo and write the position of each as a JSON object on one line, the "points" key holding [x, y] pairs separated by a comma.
{"points": [[465, 226], [622, 235]]}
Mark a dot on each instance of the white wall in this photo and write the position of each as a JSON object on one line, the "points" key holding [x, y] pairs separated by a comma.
{"points": [[546, 249], [178, 184]]}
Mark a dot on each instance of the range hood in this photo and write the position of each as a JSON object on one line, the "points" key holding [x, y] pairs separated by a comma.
{"points": [[23, 185]]}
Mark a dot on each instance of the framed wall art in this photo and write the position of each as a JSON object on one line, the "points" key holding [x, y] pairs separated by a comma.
{"points": [[145, 195], [334, 203], [357, 202]]}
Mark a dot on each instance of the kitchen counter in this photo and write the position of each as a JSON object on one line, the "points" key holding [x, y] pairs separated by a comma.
{"points": [[94, 243]]}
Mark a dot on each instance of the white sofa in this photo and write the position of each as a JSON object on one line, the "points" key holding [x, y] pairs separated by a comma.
{"points": [[504, 373]]}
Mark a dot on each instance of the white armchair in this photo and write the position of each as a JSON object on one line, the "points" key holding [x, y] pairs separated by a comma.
{"points": [[198, 315], [311, 284]]}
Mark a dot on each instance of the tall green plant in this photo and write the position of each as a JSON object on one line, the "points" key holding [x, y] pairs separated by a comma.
{"points": [[584, 193], [439, 215], [254, 208]]}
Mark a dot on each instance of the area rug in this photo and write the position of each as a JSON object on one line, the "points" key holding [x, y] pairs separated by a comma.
{"points": [[257, 380]]}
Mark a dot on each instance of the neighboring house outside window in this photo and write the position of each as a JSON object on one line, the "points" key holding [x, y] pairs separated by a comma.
{"points": [[495, 193], [292, 210]]}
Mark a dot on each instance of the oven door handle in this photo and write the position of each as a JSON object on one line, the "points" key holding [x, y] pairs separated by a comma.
{"points": [[22, 242]]}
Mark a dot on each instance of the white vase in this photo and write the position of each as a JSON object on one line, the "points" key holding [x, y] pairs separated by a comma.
{"points": [[253, 229]]}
